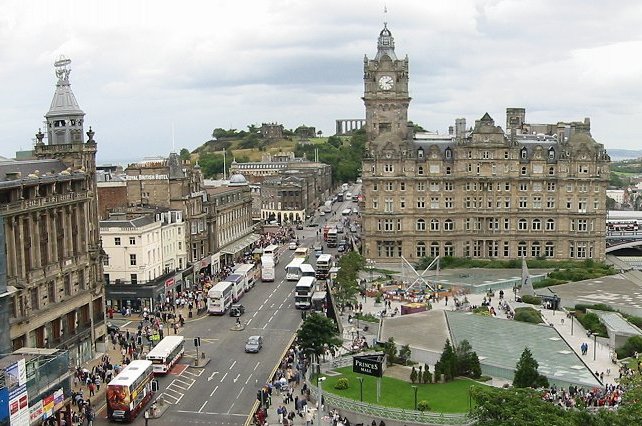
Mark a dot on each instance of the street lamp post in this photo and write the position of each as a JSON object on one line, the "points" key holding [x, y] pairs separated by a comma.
{"points": [[319, 411], [415, 388], [594, 345], [360, 387]]}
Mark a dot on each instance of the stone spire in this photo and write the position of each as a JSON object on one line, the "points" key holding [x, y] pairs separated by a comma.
{"points": [[65, 118], [386, 44]]}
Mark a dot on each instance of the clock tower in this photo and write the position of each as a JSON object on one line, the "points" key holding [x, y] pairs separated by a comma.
{"points": [[386, 98]]}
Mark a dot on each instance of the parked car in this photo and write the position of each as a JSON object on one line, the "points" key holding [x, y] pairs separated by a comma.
{"points": [[299, 226], [237, 310], [254, 344]]}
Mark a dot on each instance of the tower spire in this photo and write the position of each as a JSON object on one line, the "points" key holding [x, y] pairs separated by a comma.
{"points": [[64, 118]]}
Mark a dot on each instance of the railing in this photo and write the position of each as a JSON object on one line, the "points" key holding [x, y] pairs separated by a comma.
{"points": [[381, 412], [44, 201]]}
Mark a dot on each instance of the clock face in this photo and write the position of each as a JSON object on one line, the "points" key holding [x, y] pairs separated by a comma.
{"points": [[386, 82]]}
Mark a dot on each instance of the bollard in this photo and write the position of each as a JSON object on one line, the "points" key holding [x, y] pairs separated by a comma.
{"points": [[189, 314]]}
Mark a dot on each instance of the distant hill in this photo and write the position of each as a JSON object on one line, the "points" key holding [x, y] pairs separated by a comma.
{"points": [[624, 154]]}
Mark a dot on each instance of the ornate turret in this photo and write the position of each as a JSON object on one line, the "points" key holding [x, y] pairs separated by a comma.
{"points": [[65, 118]]}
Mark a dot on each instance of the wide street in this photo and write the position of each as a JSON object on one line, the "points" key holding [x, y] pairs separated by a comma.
{"points": [[224, 391]]}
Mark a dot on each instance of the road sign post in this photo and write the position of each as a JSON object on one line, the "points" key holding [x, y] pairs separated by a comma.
{"points": [[197, 343]]}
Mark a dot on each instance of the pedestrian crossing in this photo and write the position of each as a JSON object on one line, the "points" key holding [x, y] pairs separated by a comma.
{"points": [[175, 391]]}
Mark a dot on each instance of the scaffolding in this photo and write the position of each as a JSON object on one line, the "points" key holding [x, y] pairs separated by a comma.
{"points": [[415, 281]]}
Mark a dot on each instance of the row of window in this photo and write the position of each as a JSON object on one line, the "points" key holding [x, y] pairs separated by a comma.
{"points": [[492, 224], [436, 186], [483, 168], [486, 248], [535, 202]]}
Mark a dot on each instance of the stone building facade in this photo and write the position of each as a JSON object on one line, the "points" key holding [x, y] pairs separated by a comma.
{"points": [[49, 210], [229, 212], [173, 184], [484, 193]]}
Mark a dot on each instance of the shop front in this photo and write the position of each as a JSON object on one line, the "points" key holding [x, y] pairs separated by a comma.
{"points": [[136, 297], [238, 248]]}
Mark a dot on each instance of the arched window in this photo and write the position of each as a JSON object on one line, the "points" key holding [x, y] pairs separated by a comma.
{"points": [[550, 224], [522, 225], [420, 153], [537, 225], [521, 249], [448, 171], [523, 153], [434, 225], [420, 170], [421, 249], [535, 249], [434, 249], [551, 153], [549, 249], [449, 153], [449, 250], [421, 225], [523, 170], [449, 225]]}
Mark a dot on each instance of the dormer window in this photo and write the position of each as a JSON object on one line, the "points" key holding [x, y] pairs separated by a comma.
{"points": [[449, 153], [524, 153], [551, 153], [420, 153]]}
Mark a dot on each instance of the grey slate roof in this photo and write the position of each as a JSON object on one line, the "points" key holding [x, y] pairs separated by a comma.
{"points": [[27, 167]]}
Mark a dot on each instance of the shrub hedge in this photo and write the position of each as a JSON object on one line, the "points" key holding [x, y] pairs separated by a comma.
{"points": [[528, 314], [532, 300]]}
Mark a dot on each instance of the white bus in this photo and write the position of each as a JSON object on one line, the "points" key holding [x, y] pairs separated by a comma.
{"points": [[324, 264], [219, 298], [307, 270], [250, 273], [267, 268], [293, 270], [238, 286], [166, 353], [302, 252], [272, 250], [129, 391], [303, 292]]}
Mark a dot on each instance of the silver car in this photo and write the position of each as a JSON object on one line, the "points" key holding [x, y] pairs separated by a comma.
{"points": [[254, 344]]}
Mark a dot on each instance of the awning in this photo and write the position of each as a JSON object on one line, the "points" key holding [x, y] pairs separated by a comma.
{"points": [[239, 245]]}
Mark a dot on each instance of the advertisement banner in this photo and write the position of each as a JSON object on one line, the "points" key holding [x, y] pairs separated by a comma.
{"points": [[48, 406], [35, 411], [59, 399], [16, 378]]}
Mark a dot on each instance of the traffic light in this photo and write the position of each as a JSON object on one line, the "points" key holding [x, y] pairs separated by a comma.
{"points": [[197, 341]]}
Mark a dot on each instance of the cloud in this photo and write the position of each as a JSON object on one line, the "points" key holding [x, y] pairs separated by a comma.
{"points": [[140, 66]]}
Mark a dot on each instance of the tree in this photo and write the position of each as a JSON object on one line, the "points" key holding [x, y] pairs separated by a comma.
{"points": [[427, 375], [318, 333], [467, 361], [413, 375], [335, 141], [404, 354], [526, 374], [390, 349], [447, 364], [185, 154]]}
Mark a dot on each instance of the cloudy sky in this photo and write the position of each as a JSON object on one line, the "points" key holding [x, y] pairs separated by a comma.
{"points": [[139, 66]]}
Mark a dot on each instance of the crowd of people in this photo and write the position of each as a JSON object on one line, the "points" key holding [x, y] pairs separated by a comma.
{"points": [[608, 396], [86, 384]]}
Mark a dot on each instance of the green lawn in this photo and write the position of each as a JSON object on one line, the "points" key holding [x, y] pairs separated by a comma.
{"points": [[451, 397]]}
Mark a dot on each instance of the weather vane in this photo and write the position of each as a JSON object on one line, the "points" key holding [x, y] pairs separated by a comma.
{"points": [[62, 69]]}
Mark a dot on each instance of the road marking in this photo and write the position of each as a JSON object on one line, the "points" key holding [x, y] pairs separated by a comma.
{"points": [[212, 376], [237, 377], [178, 386], [240, 392], [281, 305], [264, 326], [257, 365], [202, 406], [186, 383], [212, 414], [272, 305], [261, 307], [248, 322], [233, 364], [255, 314], [223, 378], [214, 390]]}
